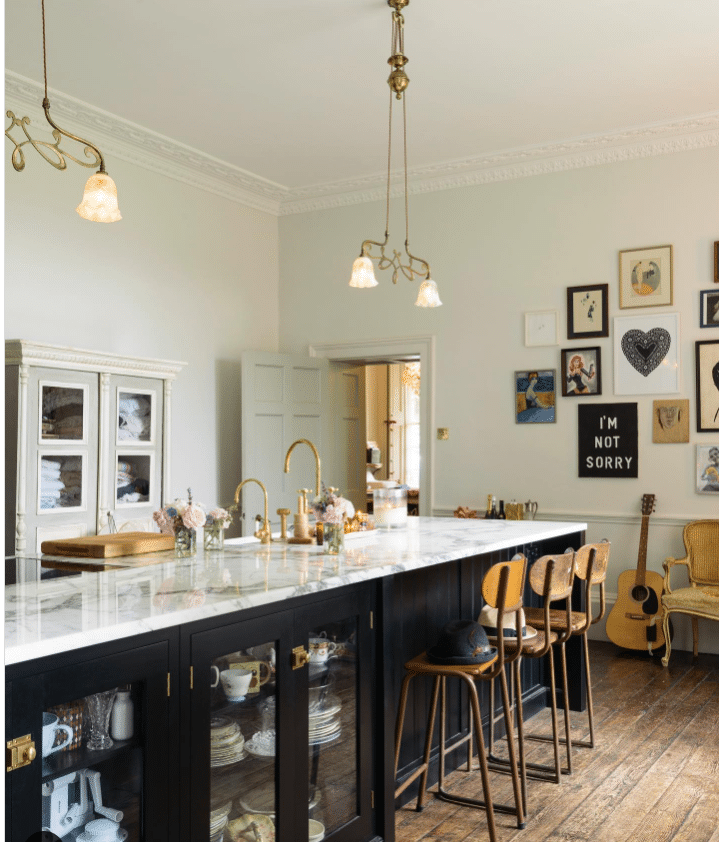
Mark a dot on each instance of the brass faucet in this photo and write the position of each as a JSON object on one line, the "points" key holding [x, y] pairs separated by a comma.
{"points": [[317, 461], [264, 533]]}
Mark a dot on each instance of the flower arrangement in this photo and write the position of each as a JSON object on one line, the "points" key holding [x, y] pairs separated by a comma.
{"points": [[180, 514], [329, 507], [218, 518]]}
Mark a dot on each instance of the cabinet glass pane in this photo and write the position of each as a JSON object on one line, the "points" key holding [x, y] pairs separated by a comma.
{"points": [[242, 744], [61, 478], [92, 767], [62, 413], [333, 724], [134, 416], [133, 479]]}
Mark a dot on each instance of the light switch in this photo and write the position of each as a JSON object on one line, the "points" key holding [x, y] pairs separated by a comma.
{"points": [[443, 433]]}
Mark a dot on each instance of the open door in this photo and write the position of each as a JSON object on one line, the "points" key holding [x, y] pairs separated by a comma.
{"points": [[286, 397]]}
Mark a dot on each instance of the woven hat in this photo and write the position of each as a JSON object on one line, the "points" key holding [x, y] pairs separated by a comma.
{"points": [[488, 620], [462, 642]]}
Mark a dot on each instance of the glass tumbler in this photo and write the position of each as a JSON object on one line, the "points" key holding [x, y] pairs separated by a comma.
{"points": [[98, 707]]}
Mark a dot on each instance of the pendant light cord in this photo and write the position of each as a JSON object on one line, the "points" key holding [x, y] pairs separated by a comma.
{"points": [[44, 53]]}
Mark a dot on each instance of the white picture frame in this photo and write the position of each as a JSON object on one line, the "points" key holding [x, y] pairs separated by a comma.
{"points": [[541, 328], [135, 460], [707, 473], [646, 355], [50, 484], [46, 439]]}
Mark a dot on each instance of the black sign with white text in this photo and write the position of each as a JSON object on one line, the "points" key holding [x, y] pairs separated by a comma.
{"points": [[608, 442]]}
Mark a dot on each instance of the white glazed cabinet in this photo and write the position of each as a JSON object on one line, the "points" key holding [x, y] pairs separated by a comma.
{"points": [[87, 434]]}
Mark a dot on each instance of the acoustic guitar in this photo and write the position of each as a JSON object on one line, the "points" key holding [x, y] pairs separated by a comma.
{"points": [[633, 622]]}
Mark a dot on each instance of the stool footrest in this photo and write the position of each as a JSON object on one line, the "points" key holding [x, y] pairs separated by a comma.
{"points": [[544, 739], [475, 802]]}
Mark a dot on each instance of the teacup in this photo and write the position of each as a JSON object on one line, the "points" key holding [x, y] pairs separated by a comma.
{"points": [[50, 726], [264, 652], [321, 650], [261, 670], [235, 682]]}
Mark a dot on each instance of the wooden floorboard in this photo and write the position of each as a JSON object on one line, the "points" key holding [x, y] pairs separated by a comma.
{"points": [[653, 776]]}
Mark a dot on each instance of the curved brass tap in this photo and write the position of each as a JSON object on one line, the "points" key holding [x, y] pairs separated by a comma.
{"points": [[264, 533], [317, 460]]}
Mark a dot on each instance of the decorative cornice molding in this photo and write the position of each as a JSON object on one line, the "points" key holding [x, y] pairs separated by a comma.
{"points": [[20, 351], [142, 147]]}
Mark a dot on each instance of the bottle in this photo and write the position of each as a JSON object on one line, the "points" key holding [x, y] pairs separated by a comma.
{"points": [[494, 514], [488, 513], [501, 514], [122, 725]]}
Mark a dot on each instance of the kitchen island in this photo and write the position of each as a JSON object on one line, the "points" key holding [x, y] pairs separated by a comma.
{"points": [[379, 602]]}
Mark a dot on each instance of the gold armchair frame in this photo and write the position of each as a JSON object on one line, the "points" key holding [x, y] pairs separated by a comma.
{"points": [[701, 598]]}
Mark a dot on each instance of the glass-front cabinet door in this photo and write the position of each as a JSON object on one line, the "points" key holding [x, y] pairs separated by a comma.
{"points": [[101, 742], [281, 734]]}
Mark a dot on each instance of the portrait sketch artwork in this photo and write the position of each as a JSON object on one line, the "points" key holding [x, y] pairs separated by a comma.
{"points": [[587, 311], [707, 469], [670, 424], [581, 371], [535, 396]]}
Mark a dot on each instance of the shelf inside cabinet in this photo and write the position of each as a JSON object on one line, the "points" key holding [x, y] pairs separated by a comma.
{"points": [[64, 762]]}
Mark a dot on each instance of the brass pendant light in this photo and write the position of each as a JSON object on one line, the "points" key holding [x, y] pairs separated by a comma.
{"points": [[99, 203], [363, 269]]}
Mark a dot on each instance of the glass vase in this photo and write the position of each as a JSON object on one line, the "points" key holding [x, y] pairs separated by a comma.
{"points": [[98, 707], [333, 538], [214, 537], [185, 541]]}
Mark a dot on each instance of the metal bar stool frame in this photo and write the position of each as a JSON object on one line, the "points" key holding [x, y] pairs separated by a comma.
{"points": [[501, 574], [590, 565]]}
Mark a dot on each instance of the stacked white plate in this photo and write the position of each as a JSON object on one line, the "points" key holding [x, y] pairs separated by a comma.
{"points": [[218, 821], [324, 723], [227, 745]]}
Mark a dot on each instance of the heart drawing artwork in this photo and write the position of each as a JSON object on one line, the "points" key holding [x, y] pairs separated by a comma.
{"points": [[645, 351]]}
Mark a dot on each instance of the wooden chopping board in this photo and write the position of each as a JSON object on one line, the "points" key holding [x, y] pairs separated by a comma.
{"points": [[110, 546]]}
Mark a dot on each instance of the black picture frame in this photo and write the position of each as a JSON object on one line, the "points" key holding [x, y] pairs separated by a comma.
{"points": [[709, 308], [588, 376], [593, 324], [707, 384], [716, 262]]}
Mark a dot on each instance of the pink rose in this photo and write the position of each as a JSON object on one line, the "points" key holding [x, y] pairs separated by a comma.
{"points": [[193, 517], [163, 521]]}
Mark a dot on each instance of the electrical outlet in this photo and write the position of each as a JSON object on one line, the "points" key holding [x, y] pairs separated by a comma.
{"points": [[443, 433]]}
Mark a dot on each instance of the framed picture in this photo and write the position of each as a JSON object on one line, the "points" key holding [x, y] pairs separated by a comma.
{"points": [[707, 469], [709, 308], [588, 311], [581, 371], [540, 328], [646, 354], [608, 440], [670, 421], [716, 262], [707, 361], [535, 393], [645, 277]]}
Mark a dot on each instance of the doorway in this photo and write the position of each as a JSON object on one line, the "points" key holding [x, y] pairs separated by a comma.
{"points": [[383, 351]]}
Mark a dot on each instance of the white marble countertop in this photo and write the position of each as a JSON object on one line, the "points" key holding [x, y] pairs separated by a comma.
{"points": [[56, 615]]}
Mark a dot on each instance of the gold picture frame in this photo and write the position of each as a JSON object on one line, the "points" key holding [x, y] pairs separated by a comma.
{"points": [[646, 277]]}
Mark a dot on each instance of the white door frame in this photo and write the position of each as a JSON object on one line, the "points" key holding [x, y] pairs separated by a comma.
{"points": [[382, 350]]}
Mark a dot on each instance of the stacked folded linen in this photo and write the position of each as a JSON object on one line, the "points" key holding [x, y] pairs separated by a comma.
{"points": [[134, 419], [129, 487], [51, 485], [62, 416], [71, 474]]}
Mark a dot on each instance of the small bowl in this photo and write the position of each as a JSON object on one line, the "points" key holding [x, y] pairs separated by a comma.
{"points": [[316, 830]]}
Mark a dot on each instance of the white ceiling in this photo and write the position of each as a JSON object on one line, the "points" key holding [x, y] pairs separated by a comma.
{"points": [[294, 90]]}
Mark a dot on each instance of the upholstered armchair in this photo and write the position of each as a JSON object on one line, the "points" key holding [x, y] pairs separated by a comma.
{"points": [[701, 598]]}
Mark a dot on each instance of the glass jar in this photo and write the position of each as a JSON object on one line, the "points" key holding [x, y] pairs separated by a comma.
{"points": [[390, 508], [185, 541], [214, 537], [333, 538]]}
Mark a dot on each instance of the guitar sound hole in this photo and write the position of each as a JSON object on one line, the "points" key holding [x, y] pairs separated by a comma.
{"points": [[640, 593]]}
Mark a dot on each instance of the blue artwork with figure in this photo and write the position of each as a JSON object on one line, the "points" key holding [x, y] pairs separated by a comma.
{"points": [[535, 392]]}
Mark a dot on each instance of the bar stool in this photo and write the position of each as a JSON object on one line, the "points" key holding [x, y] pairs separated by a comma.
{"points": [[552, 578], [505, 583], [590, 565]]}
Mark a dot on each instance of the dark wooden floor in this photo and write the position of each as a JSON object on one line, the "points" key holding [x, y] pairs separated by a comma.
{"points": [[653, 777]]}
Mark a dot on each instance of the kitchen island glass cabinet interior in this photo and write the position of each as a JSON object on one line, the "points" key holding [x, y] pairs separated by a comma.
{"points": [[264, 679]]}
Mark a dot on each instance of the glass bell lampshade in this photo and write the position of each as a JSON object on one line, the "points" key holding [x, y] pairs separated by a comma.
{"points": [[428, 295], [99, 203], [363, 273]]}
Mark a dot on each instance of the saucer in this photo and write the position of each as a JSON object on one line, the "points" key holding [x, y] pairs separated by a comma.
{"points": [[257, 750]]}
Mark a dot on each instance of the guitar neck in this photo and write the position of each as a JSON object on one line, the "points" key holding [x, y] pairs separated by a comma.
{"points": [[642, 558]]}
